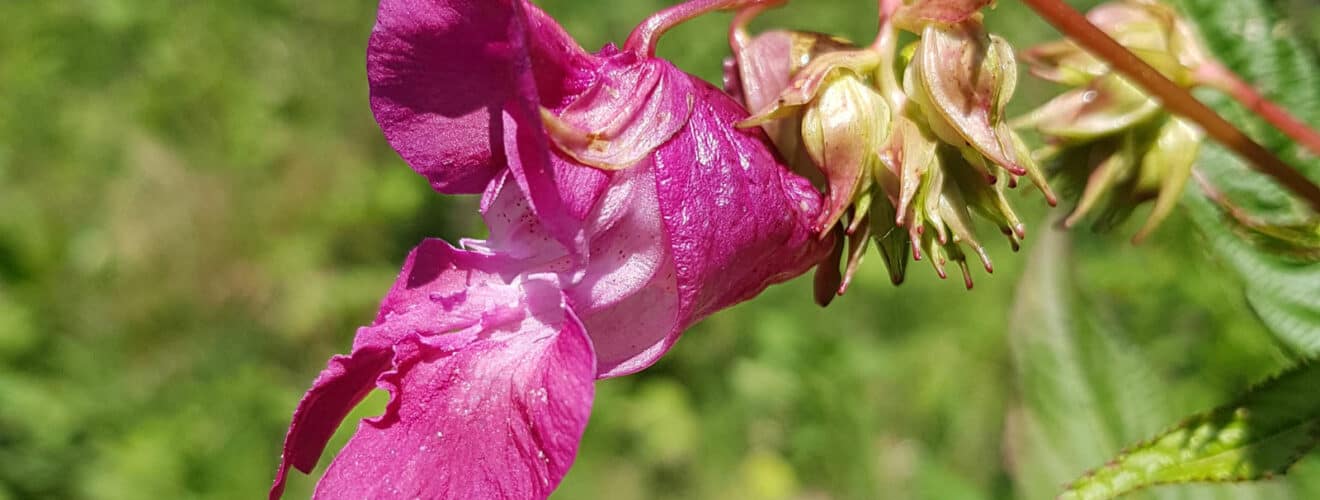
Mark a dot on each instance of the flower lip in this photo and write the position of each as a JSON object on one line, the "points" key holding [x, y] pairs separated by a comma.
{"points": [[450, 323]]}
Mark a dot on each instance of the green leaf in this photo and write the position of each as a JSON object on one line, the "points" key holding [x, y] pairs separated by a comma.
{"points": [[1281, 278], [1089, 386], [1086, 390], [1083, 394], [1258, 436]]}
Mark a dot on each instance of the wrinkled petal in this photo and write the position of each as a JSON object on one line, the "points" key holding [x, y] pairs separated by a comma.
{"points": [[464, 305], [452, 90], [533, 167], [633, 107], [496, 411], [440, 78], [433, 283], [706, 220], [339, 388], [628, 246], [739, 221], [671, 238], [734, 221]]}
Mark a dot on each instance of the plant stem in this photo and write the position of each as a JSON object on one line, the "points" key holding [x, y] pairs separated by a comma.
{"points": [[888, 7], [644, 37], [886, 44], [1177, 99], [1223, 79]]}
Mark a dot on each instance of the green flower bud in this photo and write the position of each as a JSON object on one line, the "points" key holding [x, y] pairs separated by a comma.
{"points": [[905, 166], [1151, 30], [1150, 162], [842, 130], [762, 67], [935, 194], [960, 79], [1105, 106], [1106, 134]]}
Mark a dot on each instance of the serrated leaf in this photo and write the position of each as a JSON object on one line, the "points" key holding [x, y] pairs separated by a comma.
{"points": [[1252, 39], [1258, 436], [1085, 391], [1086, 387]]}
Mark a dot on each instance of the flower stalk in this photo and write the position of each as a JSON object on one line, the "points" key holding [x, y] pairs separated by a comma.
{"points": [[1177, 99], [644, 37], [1215, 75]]}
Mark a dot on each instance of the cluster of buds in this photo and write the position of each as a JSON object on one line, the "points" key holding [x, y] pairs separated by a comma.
{"points": [[907, 145], [1105, 135]]}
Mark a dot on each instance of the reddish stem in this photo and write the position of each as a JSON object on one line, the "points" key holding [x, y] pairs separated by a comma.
{"points": [[1219, 77], [644, 37], [1177, 99], [887, 9]]}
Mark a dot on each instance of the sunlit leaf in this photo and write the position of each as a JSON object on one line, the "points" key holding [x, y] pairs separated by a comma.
{"points": [[1083, 394], [1254, 40], [1087, 388], [1258, 436]]}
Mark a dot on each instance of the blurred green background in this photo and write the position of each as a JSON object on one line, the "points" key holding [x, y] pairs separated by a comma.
{"points": [[197, 209]]}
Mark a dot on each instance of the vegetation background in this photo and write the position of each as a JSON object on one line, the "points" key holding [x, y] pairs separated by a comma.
{"points": [[197, 209]]}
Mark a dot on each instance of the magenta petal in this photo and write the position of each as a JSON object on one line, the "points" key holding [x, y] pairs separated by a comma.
{"points": [[471, 307], [516, 231], [495, 411], [739, 221], [735, 220], [632, 108], [442, 72], [338, 388], [763, 69]]}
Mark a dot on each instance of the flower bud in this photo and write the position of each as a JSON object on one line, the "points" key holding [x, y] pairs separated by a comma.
{"points": [[961, 79], [762, 67], [936, 192], [1105, 106], [842, 129], [1152, 31], [904, 166], [1106, 133], [1151, 162]]}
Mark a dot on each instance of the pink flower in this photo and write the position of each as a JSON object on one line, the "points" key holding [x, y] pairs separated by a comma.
{"points": [[623, 207]]}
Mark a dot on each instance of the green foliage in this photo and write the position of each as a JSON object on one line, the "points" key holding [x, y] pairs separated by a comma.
{"points": [[1088, 388], [1077, 404], [1258, 436], [1082, 393], [197, 210], [1254, 40]]}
